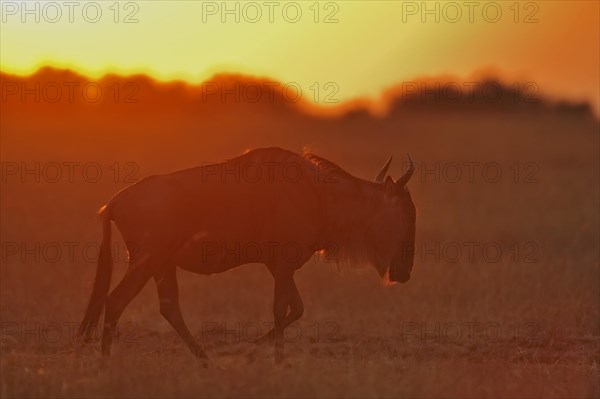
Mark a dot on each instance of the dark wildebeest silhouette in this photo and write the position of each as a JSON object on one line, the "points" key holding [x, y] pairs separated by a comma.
{"points": [[268, 206]]}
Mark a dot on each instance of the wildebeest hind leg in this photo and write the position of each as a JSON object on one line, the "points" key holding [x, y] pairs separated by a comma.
{"points": [[168, 295], [132, 283]]}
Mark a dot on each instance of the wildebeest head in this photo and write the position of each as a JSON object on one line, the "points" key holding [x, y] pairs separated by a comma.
{"points": [[395, 225]]}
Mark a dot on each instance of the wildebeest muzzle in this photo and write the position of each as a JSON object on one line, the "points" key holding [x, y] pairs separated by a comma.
{"points": [[401, 266]]}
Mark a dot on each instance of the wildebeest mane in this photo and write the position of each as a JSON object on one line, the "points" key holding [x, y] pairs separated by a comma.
{"points": [[329, 167], [349, 224]]}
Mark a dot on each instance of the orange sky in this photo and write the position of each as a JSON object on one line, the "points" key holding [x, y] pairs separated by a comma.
{"points": [[363, 47]]}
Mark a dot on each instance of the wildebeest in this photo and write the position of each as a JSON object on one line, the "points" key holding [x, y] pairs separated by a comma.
{"points": [[269, 206]]}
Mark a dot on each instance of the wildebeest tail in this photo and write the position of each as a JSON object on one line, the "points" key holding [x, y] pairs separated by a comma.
{"points": [[102, 281]]}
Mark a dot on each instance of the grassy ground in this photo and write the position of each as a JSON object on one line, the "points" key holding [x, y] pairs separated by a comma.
{"points": [[523, 325]]}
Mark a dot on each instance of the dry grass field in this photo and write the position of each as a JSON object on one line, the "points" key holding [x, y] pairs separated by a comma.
{"points": [[472, 322]]}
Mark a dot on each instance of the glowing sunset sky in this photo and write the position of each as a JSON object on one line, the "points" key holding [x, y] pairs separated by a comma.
{"points": [[373, 44]]}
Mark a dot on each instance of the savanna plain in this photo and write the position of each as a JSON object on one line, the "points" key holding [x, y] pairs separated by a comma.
{"points": [[503, 299]]}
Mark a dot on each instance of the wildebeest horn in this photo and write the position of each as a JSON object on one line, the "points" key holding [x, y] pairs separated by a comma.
{"points": [[381, 175], [409, 172]]}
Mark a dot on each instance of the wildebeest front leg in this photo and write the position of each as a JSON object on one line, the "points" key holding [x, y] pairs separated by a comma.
{"points": [[168, 294], [296, 307], [284, 289]]}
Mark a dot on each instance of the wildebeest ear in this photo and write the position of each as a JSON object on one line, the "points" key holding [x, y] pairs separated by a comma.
{"points": [[389, 186]]}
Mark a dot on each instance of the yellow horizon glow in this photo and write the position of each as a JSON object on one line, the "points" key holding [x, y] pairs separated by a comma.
{"points": [[374, 44]]}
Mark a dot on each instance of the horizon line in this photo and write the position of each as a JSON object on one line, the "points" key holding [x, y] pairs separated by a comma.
{"points": [[376, 106]]}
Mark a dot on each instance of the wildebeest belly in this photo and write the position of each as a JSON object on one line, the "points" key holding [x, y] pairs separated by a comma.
{"points": [[206, 254]]}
